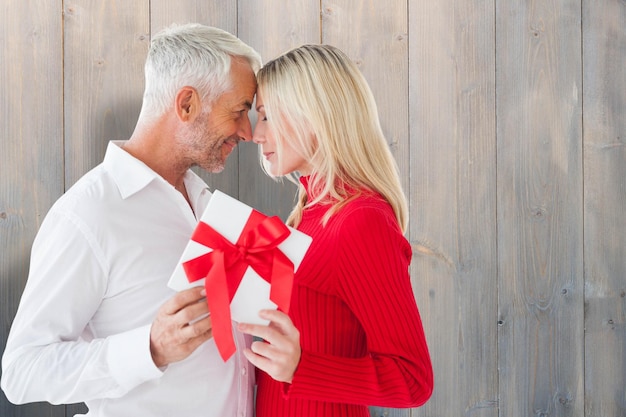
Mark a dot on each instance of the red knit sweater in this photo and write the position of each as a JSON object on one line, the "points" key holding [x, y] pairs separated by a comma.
{"points": [[360, 331]]}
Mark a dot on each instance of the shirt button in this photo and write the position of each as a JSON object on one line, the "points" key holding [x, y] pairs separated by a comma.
{"points": [[243, 371]]}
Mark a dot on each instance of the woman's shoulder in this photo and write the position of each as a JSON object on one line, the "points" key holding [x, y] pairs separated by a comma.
{"points": [[370, 220], [363, 212], [366, 203]]}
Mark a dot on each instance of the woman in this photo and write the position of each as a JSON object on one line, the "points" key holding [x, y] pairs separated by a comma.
{"points": [[353, 336]]}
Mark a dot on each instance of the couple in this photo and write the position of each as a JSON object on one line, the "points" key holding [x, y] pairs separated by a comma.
{"points": [[97, 322]]}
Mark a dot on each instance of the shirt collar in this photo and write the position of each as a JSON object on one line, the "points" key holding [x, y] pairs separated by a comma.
{"points": [[129, 173]]}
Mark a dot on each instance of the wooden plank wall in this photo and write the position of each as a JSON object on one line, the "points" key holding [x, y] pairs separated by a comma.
{"points": [[539, 200], [31, 149], [604, 146], [507, 122], [453, 199]]}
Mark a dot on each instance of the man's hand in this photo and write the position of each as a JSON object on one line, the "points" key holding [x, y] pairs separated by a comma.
{"points": [[279, 354], [177, 330]]}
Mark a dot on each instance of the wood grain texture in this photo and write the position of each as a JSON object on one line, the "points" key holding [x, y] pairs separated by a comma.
{"points": [[540, 223], [31, 167], [483, 103], [218, 13], [604, 95], [106, 43], [272, 27], [453, 200]]}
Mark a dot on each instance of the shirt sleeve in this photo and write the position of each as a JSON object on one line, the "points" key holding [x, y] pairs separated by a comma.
{"points": [[373, 260], [51, 354]]}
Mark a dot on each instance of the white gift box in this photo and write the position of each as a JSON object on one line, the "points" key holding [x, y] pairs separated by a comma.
{"points": [[228, 216]]}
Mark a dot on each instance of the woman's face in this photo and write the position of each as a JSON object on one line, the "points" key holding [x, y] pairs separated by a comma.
{"points": [[290, 160]]}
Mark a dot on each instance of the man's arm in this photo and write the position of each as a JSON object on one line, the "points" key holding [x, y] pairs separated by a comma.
{"points": [[51, 354]]}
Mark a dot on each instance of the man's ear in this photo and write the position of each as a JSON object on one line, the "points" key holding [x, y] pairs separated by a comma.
{"points": [[188, 105]]}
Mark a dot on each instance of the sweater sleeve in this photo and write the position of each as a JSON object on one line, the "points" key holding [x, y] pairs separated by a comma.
{"points": [[373, 260]]}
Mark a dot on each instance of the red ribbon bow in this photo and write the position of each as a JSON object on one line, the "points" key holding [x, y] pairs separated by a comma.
{"points": [[224, 267]]}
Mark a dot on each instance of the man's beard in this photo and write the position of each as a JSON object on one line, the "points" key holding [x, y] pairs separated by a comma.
{"points": [[204, 147]]}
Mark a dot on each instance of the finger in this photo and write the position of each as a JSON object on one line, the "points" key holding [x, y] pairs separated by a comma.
{"points": [[264, 349], [273, 338], [257, 360], [277, 317], [265, 354], [192, 312], [259, 330], [183, 299], [198, 329], [278, 364], [192, 344]]}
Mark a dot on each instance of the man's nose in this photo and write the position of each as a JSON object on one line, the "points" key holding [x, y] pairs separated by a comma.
{"points": [[245, 130]]}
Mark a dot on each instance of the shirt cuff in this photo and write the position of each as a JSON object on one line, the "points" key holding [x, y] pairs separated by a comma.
{"points": [[129, 358]]}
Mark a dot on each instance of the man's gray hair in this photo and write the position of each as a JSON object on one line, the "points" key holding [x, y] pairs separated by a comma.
{"points": [[191, 55]]}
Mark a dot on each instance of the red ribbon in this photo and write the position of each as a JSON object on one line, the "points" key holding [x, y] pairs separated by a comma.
{"points": [[224, 267]]}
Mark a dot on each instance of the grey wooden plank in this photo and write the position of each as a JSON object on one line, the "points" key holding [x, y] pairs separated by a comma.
{"points": [[31, 160], [453, 200], [388, 412], [604, 96], [540, 188], [218, 13], [106, 44]]}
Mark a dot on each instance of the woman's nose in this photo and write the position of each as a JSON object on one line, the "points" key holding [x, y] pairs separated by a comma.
{"points": [[257, 135]]}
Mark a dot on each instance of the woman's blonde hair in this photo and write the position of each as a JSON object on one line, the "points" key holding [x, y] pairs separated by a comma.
{"points": [[316, 98]]}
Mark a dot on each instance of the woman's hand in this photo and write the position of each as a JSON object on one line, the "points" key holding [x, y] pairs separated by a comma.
{"points": [[279, 354]]}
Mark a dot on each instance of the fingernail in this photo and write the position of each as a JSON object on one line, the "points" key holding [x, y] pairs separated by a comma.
{"points": [[203, 293]]}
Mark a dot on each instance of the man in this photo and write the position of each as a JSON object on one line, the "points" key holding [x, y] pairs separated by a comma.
{"points": [[97, 322]]}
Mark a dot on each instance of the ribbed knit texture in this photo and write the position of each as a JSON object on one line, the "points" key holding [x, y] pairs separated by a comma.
{"points": [[360, 331]]}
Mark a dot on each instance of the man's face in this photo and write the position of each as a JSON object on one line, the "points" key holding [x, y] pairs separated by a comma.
{"points": [[214, 134]]}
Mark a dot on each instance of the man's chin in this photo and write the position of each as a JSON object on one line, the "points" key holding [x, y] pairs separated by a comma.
{"points": [[213, 169]]}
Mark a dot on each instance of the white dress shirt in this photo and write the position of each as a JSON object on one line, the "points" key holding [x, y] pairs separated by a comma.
{"points": [[98, 274]]}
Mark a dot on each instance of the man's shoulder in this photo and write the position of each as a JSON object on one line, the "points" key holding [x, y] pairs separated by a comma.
{"points": [[92, 191]]}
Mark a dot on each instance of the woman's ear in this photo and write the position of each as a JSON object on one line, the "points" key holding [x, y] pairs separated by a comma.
{"points": [[187, 104]]}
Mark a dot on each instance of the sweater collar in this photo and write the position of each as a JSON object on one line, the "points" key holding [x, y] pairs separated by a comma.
{"points": [[348, 190], [307, 183]]}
